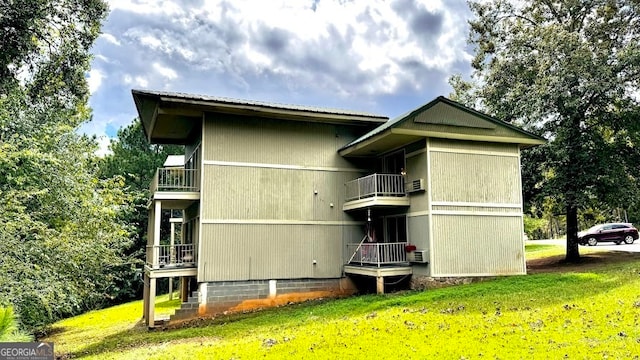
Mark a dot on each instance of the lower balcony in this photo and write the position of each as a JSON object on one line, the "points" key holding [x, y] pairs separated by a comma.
{"points": [[171, 260], [377, 254], [376, 190], [379, 260]]}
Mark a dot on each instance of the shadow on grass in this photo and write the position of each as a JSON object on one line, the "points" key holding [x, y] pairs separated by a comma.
{"points": [[588, 262], [568, 283]]}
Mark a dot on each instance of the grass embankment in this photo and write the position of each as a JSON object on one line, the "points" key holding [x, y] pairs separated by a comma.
{"points": [[588, 311]]}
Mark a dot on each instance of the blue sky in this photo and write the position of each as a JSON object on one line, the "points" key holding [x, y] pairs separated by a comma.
{"points": [[385, 57]]}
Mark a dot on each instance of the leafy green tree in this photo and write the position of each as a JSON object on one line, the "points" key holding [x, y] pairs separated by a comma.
{"points": [[568, 70], [135, 160], [133, 157], [60, 234]]}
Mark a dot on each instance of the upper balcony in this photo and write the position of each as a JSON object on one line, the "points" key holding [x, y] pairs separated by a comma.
{"points": [[376, 190], [175, 179], [176, 184]]}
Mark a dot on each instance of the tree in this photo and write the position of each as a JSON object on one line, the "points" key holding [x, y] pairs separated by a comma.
{"points": [[568, 70], [47, 43], [135, 160], [133, 157], [60, 233]]}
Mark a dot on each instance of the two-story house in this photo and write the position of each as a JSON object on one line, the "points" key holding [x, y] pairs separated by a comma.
{"points": [[284, 203]]}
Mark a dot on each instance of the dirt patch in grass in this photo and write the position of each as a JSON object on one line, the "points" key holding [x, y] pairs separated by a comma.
{"points": [[587, 262]]}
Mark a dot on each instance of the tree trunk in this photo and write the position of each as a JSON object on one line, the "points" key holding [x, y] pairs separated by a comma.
{"points": [[573, 166], [573, 254]]}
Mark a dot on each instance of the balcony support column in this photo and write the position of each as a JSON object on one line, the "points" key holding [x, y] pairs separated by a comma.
{"points": [[151, 316], [184, 289], [380, 285], [145, 298], [157, 218], [172, 255]]}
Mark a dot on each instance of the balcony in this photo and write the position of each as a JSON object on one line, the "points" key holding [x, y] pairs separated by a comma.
{"points": [[178, 260], [175, 179], [375, 190], [377, 254], [176, 187], [379, 260]]}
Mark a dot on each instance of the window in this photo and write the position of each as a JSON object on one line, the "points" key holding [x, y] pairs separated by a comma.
{"points": [[394, 163], [396, 229]]}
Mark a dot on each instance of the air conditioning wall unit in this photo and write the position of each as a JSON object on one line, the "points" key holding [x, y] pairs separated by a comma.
{"points": [[418, 256], [414, 185]]}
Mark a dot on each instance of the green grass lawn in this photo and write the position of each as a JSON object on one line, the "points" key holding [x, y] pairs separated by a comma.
{"points": [[576, 312]]}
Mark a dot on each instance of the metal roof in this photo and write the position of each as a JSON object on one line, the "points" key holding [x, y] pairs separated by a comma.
{"points": [[263, 104]]}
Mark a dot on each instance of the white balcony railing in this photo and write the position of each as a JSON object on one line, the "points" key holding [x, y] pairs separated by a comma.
{"points": [[178, 255], [377, 253], [375, 185], [175, 179]]}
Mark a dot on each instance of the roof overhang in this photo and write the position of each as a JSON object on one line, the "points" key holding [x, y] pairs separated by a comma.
{"points": [[175, 118], [394, 138], [380, 143], [392, 135]]}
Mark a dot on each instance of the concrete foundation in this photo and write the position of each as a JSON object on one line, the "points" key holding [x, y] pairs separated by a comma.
{"points": [[236, 296]]}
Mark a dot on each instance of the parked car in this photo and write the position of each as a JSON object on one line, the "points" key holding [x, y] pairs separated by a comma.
{"points": [[613, 232]]}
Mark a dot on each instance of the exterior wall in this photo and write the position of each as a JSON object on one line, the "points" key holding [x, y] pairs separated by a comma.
{"points": [[418, 212], [216, 297], [273, 251], [417, 169], [476, 209], [475, 178], [477, 245], [272, 141], [271, 199]]}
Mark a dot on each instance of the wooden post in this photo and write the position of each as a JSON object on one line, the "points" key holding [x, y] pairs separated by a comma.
{"points": [[380, 285], [145, 297], [151, 316], [172, 256], [156, 223], [172, 250], [184, 289]]}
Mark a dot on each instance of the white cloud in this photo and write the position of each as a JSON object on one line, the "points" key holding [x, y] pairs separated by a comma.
{"points": [[380, 56], [146, 6], [150, 41], [110, 38], [101, 58], [135, 81], [103, 146], [165, 71], [94, 80]]}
